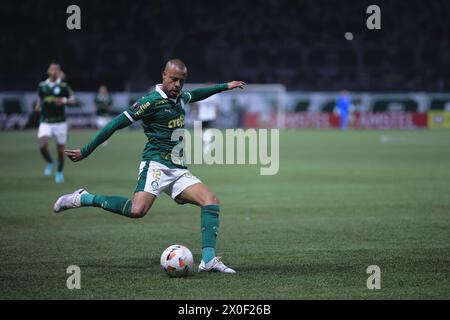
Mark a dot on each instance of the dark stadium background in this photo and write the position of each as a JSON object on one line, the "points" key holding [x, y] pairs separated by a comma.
{"points": [[297, 43]]}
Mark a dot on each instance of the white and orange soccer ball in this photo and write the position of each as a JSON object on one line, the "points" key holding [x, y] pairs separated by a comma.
{"points": [[177, 261]]}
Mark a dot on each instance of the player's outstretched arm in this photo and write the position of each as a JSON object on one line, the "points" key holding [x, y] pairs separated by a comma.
{"points": [[203, 93], [119, 122]]}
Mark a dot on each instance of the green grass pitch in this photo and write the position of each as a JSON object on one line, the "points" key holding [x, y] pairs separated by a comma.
{"points": [[342, 201]]}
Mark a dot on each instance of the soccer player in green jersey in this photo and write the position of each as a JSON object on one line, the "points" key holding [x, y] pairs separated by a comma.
{"points": [[103, 106], [53, 96], [161, 112]]}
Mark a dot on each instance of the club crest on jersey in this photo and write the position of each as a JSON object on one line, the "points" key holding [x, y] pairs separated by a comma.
{"points": [[155, 185]]}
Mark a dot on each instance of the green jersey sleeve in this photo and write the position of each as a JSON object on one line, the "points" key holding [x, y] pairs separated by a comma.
{"points": [[203, 93], [142, 108], [103, 134]]}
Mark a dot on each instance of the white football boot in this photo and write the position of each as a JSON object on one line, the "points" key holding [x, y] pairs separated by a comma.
{"points": [[69, 201], [214, 265]]}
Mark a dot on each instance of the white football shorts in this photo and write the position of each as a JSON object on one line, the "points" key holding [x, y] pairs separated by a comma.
{"points": [[57, 130], [155, 178]]}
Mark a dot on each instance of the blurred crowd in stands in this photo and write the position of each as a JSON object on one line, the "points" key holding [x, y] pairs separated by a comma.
{"points": [[299, 43]]}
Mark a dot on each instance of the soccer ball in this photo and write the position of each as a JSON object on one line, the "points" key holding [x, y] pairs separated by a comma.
{"points": [[177, 261]]}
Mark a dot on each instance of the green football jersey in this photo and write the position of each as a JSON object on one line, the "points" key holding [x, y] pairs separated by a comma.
{"points": [[160, 117], [103, 103], [48, 93]]}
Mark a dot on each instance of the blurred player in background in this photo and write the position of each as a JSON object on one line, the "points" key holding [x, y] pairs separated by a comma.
{"points": [[103, 108], [343, 109], [207, 113], [53, 96]]}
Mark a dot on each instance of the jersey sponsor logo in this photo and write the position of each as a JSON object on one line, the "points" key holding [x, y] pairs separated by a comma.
{"points": [[57, 90], [176, 123], [50, 99], [139, 109]]}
